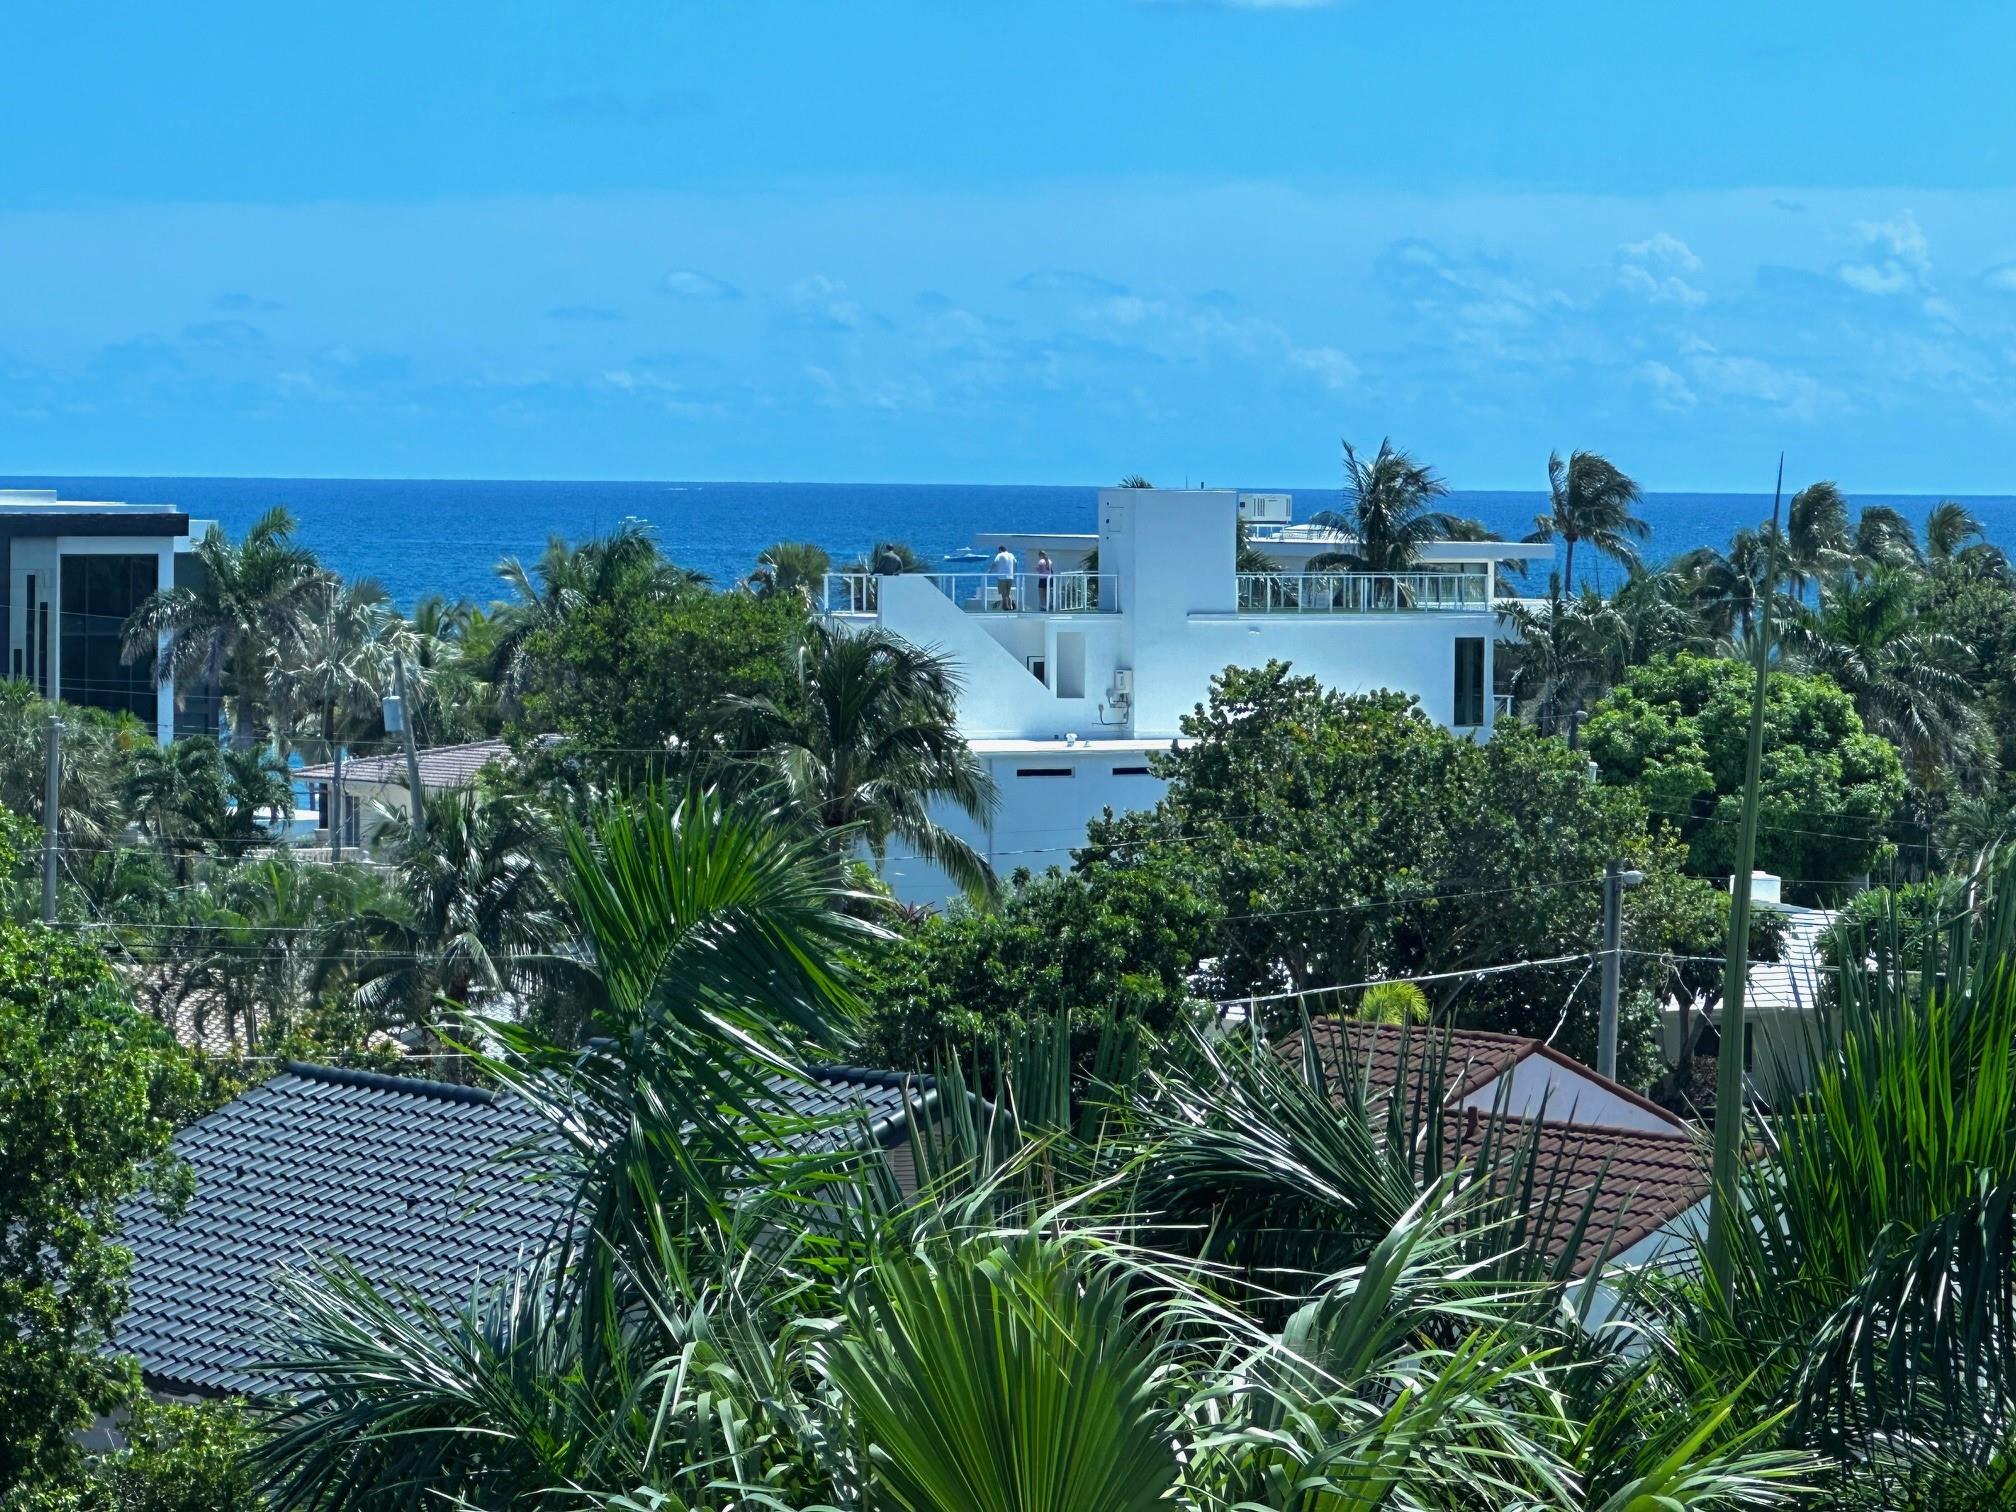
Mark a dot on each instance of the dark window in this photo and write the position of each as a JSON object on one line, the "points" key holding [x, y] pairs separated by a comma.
{"points": [[99, 593], [1046, 772], [1469, 681], [1131, 772]]}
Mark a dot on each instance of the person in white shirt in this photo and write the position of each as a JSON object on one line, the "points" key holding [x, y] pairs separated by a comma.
{"points": [[1003, 569]]}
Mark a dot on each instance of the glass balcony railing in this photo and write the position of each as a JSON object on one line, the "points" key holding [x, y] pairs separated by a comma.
{"points": [[1361, 592]]}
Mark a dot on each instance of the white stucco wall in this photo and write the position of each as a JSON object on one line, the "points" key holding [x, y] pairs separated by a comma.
{"points": [[1039, 821], [1169, 618]]}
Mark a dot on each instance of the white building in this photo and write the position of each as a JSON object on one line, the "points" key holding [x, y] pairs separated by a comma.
{"points": [[1781, 1002], [1069, 682], [73, 572]]}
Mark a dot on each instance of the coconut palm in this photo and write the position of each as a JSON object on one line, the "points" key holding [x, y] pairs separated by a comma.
{"points": [[1949, 527], [866, 745], [1726, 588], [1589, 498], [1884, 538], [1389, 512], [1135, 480], [1910, 685], [225, 627], [97, 749], [1816, 539]]}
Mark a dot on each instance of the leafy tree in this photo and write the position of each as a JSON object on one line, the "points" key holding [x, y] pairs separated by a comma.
{"points": [[178, 1457], [1675, 731], [1346, 838], [226, 628], [1589, 498], [1084, 946], [634, 674], [865, 742], [624, 564], [1389, 512], [88, 1091]]}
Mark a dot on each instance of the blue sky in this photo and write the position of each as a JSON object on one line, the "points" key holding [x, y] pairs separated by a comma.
{"points": [[1046, 242]]}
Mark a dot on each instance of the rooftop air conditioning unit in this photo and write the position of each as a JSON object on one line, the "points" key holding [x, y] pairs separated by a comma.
{"points": [[1266, 509]]}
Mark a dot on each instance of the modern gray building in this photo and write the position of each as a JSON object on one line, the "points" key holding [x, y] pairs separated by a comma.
{"points": [[71, 573]]}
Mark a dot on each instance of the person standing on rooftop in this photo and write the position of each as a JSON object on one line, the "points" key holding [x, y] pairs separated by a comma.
{"points": [[1003, 570], [1044, 569]]}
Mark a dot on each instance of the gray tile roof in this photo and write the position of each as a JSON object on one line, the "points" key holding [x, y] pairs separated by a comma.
{"points": [[441, 767], [398, 1176]]}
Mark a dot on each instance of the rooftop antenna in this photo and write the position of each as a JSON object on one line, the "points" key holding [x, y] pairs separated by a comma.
{"points": [[1724, 1203]]}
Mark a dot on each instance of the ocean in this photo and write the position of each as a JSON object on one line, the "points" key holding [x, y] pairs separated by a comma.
{"points": [[423, 536]]}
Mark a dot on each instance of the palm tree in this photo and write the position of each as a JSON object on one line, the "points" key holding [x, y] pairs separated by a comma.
{"points": [[1388, 512], [1910, 685], [867, 744], [1726, 589], [1816, 534], [472, 910], [1949, 526], [791, 567], [1590, 499], [1135, 480], [224, 629], [1569, 653], [334, 670], [1884, 538]]}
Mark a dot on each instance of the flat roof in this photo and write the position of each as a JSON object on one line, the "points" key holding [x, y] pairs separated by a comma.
{"points": [[1062, 747]]}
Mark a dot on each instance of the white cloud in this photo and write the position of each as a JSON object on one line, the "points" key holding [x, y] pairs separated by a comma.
{"points": [[1896, 258], [1334, 368], [821, 301], [1752, 380], [1669, 389], [689, 283], [1653, 269]]}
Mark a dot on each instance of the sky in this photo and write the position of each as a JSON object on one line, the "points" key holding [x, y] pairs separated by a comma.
{"points": [[1038, 242]]}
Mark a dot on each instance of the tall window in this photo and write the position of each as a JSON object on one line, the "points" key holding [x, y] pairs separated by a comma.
{"points": [[99, 592], [1469, 681]]}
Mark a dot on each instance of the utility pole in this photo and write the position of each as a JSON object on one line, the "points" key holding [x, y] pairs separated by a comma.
{"points": [[1723, 1199], [412, 756], [52, 788], [1615, 879]]}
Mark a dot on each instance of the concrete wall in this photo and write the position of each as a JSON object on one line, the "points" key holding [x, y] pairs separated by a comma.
{"points": [[1039, 821]]}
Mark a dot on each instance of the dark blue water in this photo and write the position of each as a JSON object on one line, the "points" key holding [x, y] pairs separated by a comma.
{"points": [[420, 537]]}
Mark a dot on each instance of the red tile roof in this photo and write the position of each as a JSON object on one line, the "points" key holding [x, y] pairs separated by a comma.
{"points": [[1643, 1179]]}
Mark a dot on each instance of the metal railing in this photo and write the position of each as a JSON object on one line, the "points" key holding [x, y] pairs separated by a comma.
{"points": [[1030, 592], [1361, 592], [984, 593], [1503, 705]]}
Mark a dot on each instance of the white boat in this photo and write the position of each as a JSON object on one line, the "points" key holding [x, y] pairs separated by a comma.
{"points": [[965, 554]]}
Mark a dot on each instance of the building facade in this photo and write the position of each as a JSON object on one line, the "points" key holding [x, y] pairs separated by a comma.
{"points": [[71, 573], [1070, 679]]}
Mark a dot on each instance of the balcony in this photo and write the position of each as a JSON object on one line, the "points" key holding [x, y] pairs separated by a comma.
{"points": [[858, 593], [1362, 592]]}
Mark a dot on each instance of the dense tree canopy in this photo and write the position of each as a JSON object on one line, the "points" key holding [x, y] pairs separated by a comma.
{"points": [[1675, 732], [1344, 838], [88, 1091]]}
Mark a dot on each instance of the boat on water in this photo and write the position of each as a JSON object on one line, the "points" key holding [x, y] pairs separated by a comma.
{"points": [[964, 554]]}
